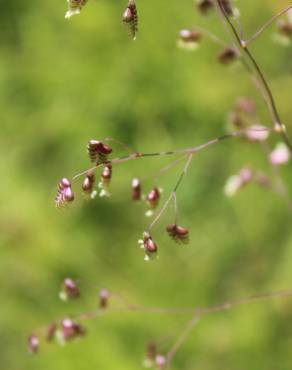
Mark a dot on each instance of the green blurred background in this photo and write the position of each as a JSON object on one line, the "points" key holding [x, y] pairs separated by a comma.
{"points": [[65, 82]]}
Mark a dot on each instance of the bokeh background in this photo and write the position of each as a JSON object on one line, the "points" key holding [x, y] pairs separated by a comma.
{"points": [[65, 82]]}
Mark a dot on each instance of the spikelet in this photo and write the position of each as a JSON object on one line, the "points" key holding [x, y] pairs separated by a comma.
{"points": [[178, 233], [130, 18], [105, 180], [149, 246], [64, 194], [74, 7], [204, 6], [97, 151], [228, 55], [89, 184], [136, 189]]}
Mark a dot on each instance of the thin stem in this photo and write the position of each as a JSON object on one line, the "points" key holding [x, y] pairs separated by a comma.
{"points": [[161, 211], [138, 155], [279, 126], [266, 25], [164, 169], [259, 87], [198, 311], [211, 36], [120, 143], [214, 308], [175, 208], [182, 338], [173, 193]]}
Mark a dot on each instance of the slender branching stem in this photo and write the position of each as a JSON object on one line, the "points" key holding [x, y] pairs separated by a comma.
{"points": [[175, 208], [173, 193], [197, 311], [211, 36], [186, 151], [164, 169], [278, 124], [120, 143], [266, 25], [182, 338]]}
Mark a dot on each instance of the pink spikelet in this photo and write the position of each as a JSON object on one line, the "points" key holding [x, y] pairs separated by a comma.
{"points": [[64, 194]]}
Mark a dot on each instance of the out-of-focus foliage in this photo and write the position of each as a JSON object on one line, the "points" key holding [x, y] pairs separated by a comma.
{"points": [[65, 82]]}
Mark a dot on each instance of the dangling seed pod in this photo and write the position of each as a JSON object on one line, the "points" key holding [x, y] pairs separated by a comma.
{"points": [[189, 39], [64, 194], [136, 189], [106, 174], [236, 182], [33, 343], [205, 6], [153, 198], [245, 105], [280, 155], [160, 361], [190, 36], [228, 55], [150, 355], [74, 7], [178, 233], [151, 351], [149, 246], [51, 331], [103, 298], [105, 180], [89, 182], [285, 28], [256, 133], [130, 18], [69, 290], [98, 152], [71, 330]]}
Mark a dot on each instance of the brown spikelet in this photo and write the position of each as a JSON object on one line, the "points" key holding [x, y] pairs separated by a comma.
{"points": [[88, 182], [130, 18], [136, 189], [190, 36], [97, 151], [178, 233], [228, 55], [150, 247], [205, 6], [285, 28]]}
